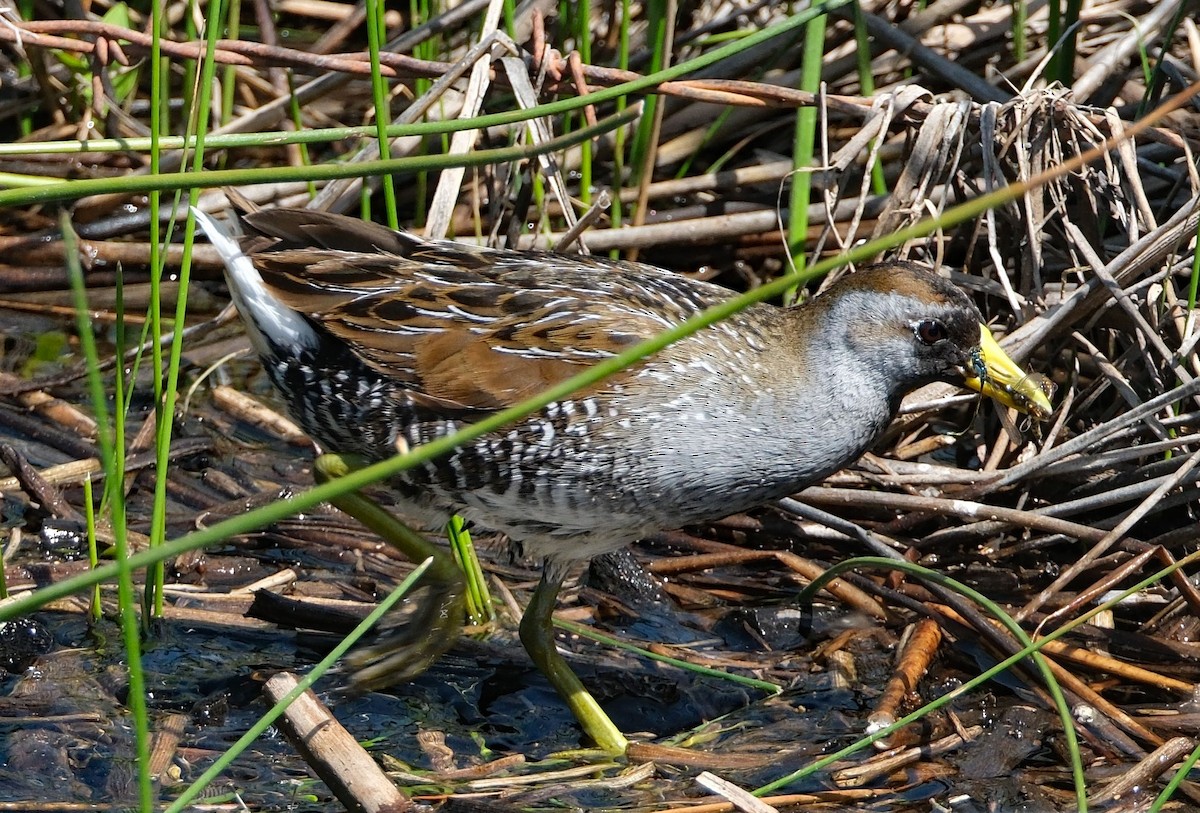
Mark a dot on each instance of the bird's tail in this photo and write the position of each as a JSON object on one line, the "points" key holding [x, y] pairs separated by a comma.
{"points": [[274, 328]]}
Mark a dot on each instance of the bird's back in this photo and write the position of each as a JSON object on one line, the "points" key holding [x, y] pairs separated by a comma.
{"points": [[411, 339]]}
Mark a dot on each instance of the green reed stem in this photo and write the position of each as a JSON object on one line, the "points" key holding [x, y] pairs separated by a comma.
{"points": [[1064, 62], [230, 177], [159, 123], [110, 435], [379, 94], [229, 72], [1020, 15], [1177, 779], [89, 515], [1194, 282], [804, 146], [695, 668], [866, 83], [479, 598]]}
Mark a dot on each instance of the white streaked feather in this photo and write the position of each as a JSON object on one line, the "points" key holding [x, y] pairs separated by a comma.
{"points": [[271, 324]]}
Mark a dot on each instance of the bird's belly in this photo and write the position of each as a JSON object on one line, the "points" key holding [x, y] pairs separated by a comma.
{"points": [[557, 499], [582, 477], [596, 486]]}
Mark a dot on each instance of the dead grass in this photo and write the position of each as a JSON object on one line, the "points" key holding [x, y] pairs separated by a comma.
{"points": [[1090, 276]]}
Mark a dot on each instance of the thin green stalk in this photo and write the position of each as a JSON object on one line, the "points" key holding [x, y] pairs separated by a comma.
{"points": [[710, 132], [1065, 60], [695, 668], [159, 111], [510, 17], [303, 685], [617, 212], [379, 93], [111, 437], [298, 123], [583, 43], [656, 17], [165, 402], [421, 10], [114, 479], [1030, 650], [1194, 282], [267, 138], [479, 598], [26, 10], [18, 180], [1181, 774], [229, 72], [1019, 17], [89, 513], [124, 386], [190, 67], [716, 39], [866, 83], [538, 182], [1143, 58], [1158, 76], [1054, 29], [1193, 287], [804, 146], [662, 15], [235, 177]]}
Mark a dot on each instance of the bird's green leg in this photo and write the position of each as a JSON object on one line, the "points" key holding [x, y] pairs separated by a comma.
{"points": [[438, 619], [537, 634]]}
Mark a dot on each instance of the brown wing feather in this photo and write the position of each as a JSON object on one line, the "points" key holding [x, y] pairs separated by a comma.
{"points": [[480, 328]]}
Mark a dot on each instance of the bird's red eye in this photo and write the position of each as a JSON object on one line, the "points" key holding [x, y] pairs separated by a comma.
{"points": [[931, 331]]}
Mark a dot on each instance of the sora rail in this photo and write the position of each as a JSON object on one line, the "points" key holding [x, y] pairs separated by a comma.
{"points": [[379, 340]]}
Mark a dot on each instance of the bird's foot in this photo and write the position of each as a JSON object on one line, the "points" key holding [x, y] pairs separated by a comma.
{"points": [[403, 652], [438, 617], [537, 634]]}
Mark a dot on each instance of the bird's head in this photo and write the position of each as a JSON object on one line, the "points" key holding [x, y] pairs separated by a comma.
{"points": [[911, 328]]}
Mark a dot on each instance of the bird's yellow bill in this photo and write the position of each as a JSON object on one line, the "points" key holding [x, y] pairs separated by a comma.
{"points": [[997, 376]]}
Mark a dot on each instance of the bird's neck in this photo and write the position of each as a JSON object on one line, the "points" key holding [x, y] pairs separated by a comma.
{"points": [[834, 423], [837, 400]]}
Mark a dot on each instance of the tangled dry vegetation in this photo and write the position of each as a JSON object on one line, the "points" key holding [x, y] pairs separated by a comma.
{"points": [[1089, 270]]}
